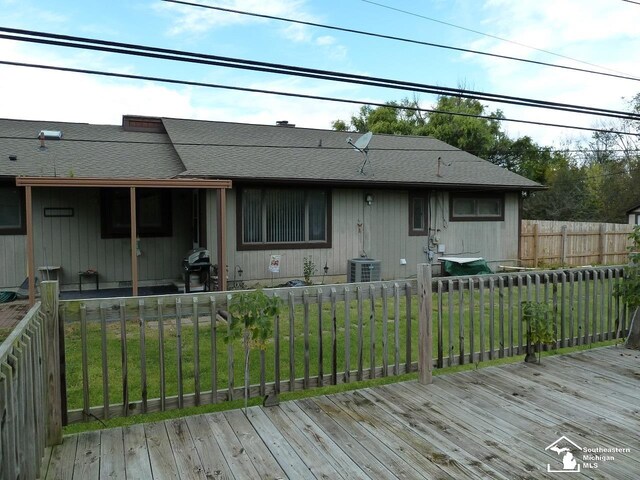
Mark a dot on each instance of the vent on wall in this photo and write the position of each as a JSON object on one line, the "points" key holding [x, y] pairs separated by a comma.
{"points": [[363, 270], [132, 123]]}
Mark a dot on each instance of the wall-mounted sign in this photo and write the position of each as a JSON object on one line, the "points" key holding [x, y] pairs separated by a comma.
{"points": [[274, 263]]}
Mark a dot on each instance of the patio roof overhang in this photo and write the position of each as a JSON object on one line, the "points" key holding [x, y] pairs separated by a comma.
{"points": [[132, 183]]}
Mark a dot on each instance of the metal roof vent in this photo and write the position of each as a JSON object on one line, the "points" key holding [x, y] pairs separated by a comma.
{"points": [[285, 123], [50, 135]]}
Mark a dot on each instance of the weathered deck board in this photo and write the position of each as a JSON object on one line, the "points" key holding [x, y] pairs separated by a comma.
{"points": [[488, 423]]}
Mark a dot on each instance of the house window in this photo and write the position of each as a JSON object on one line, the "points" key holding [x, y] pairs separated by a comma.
{"points": [[153, 212], [283, 218], [12, 213], [476, 207], [418, 216]]}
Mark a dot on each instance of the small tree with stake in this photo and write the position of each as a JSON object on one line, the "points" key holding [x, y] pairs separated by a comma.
{"points": [[252, 314], [629, 289], [540, 328]]}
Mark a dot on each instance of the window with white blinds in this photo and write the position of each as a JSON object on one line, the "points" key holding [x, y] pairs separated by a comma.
{"points": [[286, 217]]}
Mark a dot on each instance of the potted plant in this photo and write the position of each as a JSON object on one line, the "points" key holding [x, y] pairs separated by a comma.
{"points": [[540, 328], [252, 314]]}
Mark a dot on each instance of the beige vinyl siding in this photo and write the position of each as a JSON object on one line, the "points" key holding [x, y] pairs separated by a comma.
{"points": [[383, 235], [75, 243]]}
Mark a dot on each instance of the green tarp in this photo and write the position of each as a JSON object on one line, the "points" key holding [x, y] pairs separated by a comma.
{"points": [[470, 268]]}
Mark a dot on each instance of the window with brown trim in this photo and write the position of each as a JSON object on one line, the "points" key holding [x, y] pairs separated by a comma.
{"points": [[153, 212], [465, 207], [12, 212], [418, 213], [283, 218]]}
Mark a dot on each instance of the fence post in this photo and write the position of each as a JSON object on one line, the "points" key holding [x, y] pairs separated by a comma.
{"points": [[425, 325], [49, 293]]}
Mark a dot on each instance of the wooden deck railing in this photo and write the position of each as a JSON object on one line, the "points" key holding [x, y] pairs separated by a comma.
{"points": [[30, 400], [145, 354]]}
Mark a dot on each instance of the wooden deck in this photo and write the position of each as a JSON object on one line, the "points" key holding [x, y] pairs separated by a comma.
{"points": [[490, 423]]}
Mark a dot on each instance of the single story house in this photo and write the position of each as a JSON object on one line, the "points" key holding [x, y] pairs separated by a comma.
{"points": [[253, 195], [634, 215]]}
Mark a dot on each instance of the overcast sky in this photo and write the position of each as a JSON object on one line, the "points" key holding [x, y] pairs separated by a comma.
{"points": [[605, 34]]}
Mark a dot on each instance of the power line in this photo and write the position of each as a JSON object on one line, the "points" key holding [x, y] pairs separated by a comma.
{"points": [[401, 39], [502, 39], [304, 96], [252, 65], [631, 1]]}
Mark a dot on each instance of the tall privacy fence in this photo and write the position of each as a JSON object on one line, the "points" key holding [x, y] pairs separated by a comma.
{"points": [[546, 242], [145, 354], [30, 396]]}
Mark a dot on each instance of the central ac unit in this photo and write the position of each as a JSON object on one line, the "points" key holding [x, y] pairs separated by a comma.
{"points": [[363, 270]]}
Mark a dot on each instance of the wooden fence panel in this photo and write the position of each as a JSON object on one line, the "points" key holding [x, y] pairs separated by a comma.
{"points": [[545, 242]]}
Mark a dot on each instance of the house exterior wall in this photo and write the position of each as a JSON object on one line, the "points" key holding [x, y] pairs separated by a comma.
{"points": [[380, 230], [75, 243], [634, 217]]}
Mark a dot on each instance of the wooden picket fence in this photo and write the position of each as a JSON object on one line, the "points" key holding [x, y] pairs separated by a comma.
{"points": [[30, 396], [146, 354]]}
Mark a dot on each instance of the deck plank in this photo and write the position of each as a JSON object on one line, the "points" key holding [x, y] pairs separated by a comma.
{"points": [[62, 460], [233, 451], [163, 465], [345, 441], [286, 456], [184, 450], [136, 453], [204, 437], [329, 449], [87, 464], [112, 454], [259, 453]]}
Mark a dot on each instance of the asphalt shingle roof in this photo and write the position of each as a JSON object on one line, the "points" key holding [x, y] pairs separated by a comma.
{"points": [[239, 151], [244, 151], [85, 151]]}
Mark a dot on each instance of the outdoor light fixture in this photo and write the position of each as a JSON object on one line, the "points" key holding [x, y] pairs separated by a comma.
{"points": [[239, 270], [368, 198], [13, 158]]}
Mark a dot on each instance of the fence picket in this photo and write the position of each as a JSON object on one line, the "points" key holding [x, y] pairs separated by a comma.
{"points": [[407, 290], [276, 352], [143, 355], [123, 360], [396, 328], [481, 318], [510, 316], [334, 337], [230, 353], [385, 332], [196, 349], [320, 343], [501, 316], [179, 352], [601, 334], [213, 313], [292, 341], [360, 357], [161, 366], [440, 360], [461, 333], [347, 335], [450, 321], [105, 366], [492, 318], [609, 303], [305, 305], [85, 361], [372, 332], [587, 309]]}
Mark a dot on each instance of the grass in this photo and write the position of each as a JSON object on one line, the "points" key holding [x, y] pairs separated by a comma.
{"points": [[289, 396]]}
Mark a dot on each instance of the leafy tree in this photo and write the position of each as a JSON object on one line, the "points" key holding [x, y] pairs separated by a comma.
{"points": [[252, 314]]}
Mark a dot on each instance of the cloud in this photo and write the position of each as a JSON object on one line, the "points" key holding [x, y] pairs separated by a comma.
{"points": [[193, 20], [598, 33]]}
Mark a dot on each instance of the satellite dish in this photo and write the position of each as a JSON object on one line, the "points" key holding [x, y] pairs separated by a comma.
{"points": [[362, 143]]}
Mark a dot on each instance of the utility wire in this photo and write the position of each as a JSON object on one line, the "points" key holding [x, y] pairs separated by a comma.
{"points": [[502, 39], [631, 1], [402, 39], [305, 96], [252, 65]]}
